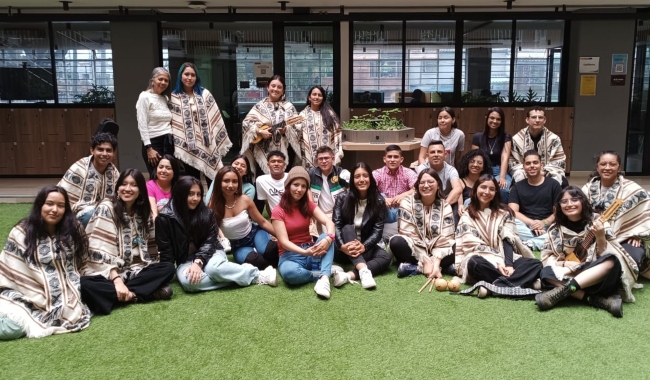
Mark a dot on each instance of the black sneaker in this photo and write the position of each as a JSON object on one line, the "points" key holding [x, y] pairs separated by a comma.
{"points": [[407, 270], [162, 294]]}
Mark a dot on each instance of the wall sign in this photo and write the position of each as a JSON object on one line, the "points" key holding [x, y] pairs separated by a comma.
{"points": [[589, 65]]}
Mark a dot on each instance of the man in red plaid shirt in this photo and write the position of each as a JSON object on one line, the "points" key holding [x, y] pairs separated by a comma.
{"points": [[394, 181]]}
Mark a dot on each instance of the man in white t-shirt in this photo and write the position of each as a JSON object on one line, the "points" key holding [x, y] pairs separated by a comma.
{"points": [[271, 186]]}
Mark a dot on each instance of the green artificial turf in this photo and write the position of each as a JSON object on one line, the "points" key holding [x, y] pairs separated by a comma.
{"points": [[392, 332]]}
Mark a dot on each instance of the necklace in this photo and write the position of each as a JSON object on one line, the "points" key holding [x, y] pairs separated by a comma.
{"points": [[233, 205], [492, 145]]}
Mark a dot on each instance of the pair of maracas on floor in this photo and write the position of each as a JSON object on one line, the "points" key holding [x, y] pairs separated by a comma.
{"points": [[441, 285]]}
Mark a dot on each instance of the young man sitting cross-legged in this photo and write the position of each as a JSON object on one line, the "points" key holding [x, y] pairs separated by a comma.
{"points": [[532, 201]]}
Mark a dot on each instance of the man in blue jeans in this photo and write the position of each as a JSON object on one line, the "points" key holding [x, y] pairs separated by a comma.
{"points": [[532, 201]]}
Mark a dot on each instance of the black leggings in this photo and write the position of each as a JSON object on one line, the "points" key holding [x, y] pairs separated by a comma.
{"points": [[526, 272], [403, 254], [375, 258], [163, 145], [99, 293]]}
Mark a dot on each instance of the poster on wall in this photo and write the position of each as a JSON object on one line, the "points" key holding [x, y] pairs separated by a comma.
{"points": [[589, 65], [619, 64], [588, 85]]}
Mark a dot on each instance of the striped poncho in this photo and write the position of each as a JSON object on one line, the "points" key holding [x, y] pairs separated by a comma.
{"points": [[428, 231], [632, 219], [113, 246], [550, 151], [562, 241], [484, 236], [315, 134], [43, 296], [269, 113], [85, 186], [200, 136]]}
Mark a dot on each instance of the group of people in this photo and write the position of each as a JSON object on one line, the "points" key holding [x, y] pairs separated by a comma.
{"points": [[102, 238]]}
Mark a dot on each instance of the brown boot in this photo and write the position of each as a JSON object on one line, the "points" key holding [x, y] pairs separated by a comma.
{"points": [[549, 299], [613, 304]]}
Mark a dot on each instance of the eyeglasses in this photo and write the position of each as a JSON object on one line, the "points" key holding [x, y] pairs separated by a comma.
{"points": [[430, 183], [566, 201], [324, 158]]}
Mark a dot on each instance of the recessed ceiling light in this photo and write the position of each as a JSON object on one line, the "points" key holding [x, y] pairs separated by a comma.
{"points": [[197, 5]]}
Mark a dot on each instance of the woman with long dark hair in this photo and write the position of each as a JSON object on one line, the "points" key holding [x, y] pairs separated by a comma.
{"points": [[631, 223], [583, 260], [359, 220], [250, 242], [159, 188], [321, 127], [472, 166], [271, 121], [488, 249], [39, 271], [200, 136], [243, 166], [446, 131], [497, 144], [119, 268], [187, 235], [301, 260], [425, 239], [154, 119]]}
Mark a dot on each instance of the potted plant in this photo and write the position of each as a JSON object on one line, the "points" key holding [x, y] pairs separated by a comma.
{"points": [[376, 126]]}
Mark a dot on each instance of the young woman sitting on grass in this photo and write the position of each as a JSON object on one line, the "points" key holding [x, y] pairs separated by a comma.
{"points": [[605, 270], [118, 268], [302, 261], [159, 188], [425, 239], [39, 281], [243, 167], [187, 235], [359, 220], [488, 249], [250, 242]]}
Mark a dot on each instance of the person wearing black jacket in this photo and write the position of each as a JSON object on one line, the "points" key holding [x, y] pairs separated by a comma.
{"points": [[359, 220], [187, 235]]}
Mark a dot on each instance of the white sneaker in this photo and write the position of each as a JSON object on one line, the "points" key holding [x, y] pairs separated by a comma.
{"points": [[322, 287], [340, 278], [537, 285], [267, 276], [336, 268], [367, 281], [225, 243]]}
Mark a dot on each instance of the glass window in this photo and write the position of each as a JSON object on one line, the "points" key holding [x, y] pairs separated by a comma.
{"points": [[486, 54], [637, 159], [26, 74], [430, 49], [309, 60], [84, 62], [377, 62], [538, 60]]}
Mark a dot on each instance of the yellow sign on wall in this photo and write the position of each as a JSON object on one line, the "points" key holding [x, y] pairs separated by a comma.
{"points": [[587, 85]]}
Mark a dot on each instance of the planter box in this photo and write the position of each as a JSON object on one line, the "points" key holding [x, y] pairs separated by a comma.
{"points": [[378, 136]]}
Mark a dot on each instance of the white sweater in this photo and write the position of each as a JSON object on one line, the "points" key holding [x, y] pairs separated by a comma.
{"points": [[154, 117]]}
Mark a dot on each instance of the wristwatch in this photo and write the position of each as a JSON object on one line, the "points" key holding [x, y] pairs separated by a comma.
{"points": [[199, 262], [147, 146]]}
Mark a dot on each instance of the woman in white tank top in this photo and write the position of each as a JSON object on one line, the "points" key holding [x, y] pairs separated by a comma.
{"points": [[250, 242]]}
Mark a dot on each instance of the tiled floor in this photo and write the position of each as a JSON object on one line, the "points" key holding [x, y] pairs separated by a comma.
{"points": [[18, 190]]}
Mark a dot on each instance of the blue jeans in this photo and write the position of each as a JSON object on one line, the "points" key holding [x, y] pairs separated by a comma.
{"points": [[296, 269], [257, 239], [527, 236], [10, 330], [391, 213], [218, 273], [505, 193], [84, 215]]}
